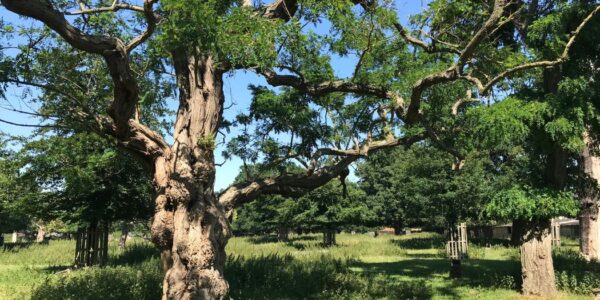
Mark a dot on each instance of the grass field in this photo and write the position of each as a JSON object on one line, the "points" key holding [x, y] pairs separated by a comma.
{"points": [[360, 267]]}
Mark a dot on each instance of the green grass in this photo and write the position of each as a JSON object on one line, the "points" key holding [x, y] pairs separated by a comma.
{"points": [[359, 267]]}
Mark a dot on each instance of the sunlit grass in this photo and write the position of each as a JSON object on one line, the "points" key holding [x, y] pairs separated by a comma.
{"points": [[359, 267]]}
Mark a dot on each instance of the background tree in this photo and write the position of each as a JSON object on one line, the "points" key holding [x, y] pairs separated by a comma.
{"points": [[15, 190], [418, 187], [85, 181]]}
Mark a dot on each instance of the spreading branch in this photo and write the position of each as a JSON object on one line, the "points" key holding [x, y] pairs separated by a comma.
{"points": [[294, 185], [429, 48]]}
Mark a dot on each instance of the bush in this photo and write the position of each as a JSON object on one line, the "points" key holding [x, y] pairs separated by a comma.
{"points": [[573, 273], [140, 282]]}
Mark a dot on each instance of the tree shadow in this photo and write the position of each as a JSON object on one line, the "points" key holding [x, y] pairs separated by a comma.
{"points": [[265, 239], [475, 272], [493, 242], [297, 246], [134, 254], [15, 247], [417, 243], [56, 269], [284, 277]]}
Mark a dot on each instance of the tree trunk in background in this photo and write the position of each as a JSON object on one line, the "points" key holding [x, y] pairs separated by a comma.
{"points": [[125, 228], [589, 219], [398, 227], [41, 233], [189, 225], [329, 237], [536, 259], [517, 232], [283, 234]]}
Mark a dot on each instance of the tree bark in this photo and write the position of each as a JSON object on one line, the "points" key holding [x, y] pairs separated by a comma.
{"points": [[188, 220], [41, 233], [536, 259], [589, 219]]}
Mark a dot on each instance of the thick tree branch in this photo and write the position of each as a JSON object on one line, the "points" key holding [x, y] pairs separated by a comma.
{"points": [[323, 88], [280, 9], [113, 50], [297, 184], [151, 20], [453, 73]]}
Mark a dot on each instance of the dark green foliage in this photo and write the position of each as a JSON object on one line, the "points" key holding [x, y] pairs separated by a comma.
{"points": [[573, 273], [85, 180], [523, 202], [15, 190], [418, 186]]}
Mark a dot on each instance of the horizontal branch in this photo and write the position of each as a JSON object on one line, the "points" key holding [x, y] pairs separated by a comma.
{"points": [[323, 88], [116, 6], [294, 185]]}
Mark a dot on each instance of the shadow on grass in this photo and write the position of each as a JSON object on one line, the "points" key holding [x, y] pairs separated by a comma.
{"points": [[15, 247], [134, 254], [475, 272], [284, 277], [264, 239], [432, 242], [493, 242]]}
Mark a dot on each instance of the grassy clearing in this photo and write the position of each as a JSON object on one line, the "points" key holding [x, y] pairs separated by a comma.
{"points": [[360, 267]]}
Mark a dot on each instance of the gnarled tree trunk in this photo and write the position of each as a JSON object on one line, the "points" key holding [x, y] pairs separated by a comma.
{"points": [[536, 259], [589, 218], [190, 226]]}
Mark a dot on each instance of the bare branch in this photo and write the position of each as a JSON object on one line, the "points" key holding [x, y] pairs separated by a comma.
{"points": [[114, 51], [429, 48], [151, 20], [116, 6], [29, 125]]}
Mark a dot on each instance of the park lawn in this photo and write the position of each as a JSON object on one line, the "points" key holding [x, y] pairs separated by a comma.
{"points": [[359, 267]]}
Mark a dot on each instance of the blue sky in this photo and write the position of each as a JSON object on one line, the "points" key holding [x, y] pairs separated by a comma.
{"points": [[236, 91]]}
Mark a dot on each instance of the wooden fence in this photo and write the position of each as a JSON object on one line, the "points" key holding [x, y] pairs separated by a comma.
{"points": [[555, 233], [91, 246], [457, 247]]}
